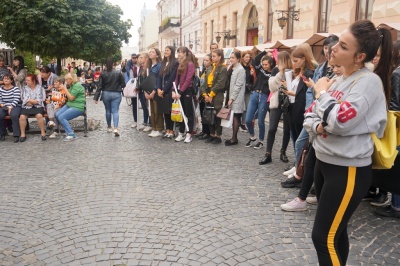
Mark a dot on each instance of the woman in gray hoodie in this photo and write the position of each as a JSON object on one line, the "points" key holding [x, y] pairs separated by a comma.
{"points": [[341, 121]]}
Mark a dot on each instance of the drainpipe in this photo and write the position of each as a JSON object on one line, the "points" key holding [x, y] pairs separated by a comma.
{"points": [[180, 23]]}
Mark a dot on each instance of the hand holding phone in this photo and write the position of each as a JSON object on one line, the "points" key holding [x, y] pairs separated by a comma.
{"points": [[305, 79]]}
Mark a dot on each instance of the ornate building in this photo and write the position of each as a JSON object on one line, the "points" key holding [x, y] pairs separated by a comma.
{"points": [[148, 31], [233, 23]]}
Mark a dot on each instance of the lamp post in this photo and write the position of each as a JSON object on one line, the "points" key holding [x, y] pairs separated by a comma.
{"points": [[227, 34], [293, 14]]}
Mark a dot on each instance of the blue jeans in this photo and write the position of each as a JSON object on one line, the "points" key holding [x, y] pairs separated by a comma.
{"points": [[64, 115], [112, 100], [143, 100], [257, 102], [298, 147]]}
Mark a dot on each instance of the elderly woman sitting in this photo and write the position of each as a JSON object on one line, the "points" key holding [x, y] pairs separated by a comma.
{"points": [[33, 97], [74, 107], [10, 104]]}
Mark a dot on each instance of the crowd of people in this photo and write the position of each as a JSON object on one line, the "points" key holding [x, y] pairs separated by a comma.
{"points": [[326, 109], [24, 95]]}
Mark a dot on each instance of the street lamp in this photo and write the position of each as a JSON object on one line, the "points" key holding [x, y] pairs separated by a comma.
{"points": [[227, 34], [293, 14]]}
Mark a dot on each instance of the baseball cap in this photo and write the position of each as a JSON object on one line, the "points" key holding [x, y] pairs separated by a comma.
{"points": [[134, 55]]}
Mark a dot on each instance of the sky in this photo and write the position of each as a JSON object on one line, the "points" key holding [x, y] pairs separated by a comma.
{"points": [[132, 9]]}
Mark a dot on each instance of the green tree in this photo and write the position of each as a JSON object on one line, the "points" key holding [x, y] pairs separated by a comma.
{"points": [[91, 30]]}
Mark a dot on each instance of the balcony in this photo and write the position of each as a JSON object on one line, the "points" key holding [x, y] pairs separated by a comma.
{"points": [[169, 28]]}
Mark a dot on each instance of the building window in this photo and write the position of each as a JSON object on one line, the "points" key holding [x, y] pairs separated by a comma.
{"points": [[235, 27], [325, 7], [212, 31], [270, 20], [290, 24], [364, 9]]}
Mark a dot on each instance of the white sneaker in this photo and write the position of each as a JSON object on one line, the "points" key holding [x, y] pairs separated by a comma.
{"points": [[180, 137], [141, 127], [116, 132], [312, 200], [51, 124], [290, 171], [155, 134], [151, 133], [134, 125], [54, 135], [188, 138], [147, 129], [109, 129], [294, 206]]}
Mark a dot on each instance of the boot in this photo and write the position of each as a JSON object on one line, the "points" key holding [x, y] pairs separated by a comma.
{"points": [[283, 157], [266, 159]]}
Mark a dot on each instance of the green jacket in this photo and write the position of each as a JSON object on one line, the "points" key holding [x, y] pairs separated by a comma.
{"points": [[218, 85]]}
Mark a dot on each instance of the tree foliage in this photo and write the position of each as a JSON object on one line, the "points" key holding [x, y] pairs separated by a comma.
{"points": [[91, 30]]}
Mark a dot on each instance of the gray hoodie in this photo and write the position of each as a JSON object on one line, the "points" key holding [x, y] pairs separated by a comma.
{"points": [[353, 108]]}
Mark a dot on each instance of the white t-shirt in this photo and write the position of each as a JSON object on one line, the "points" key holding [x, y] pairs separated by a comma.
{"points": [[295, 84]]}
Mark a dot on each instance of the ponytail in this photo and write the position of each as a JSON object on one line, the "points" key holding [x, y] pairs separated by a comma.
{"points": [[384, 68]]}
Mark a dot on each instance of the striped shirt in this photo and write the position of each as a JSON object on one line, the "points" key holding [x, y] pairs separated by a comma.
{"points": [[11, 97]]}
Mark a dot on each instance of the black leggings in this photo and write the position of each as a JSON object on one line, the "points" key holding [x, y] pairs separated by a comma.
{"points": [[188, 109], [308, 176], [274, 117], [339, 191]]}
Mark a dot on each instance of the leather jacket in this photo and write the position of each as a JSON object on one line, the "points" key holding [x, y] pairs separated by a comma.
{"points": [[110, 81], [394, 104]]}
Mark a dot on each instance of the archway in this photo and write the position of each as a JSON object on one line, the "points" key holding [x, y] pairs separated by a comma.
{"points": [[252, 27]]}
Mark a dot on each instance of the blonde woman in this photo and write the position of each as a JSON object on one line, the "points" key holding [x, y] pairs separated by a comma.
{"points": [[74, 107]]}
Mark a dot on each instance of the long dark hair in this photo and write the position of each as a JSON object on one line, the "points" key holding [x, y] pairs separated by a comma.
{"points": [[189, 58], [109, 64], [21, 64], [171, 60]]}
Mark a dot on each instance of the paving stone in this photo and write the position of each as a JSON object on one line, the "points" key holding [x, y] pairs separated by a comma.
{"points": [[123, 201]]}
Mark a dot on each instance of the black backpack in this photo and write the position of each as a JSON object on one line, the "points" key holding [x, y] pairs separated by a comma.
{"points": [[195, 84]]}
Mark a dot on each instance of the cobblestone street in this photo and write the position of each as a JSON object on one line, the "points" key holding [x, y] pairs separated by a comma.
{"points": [[135, 200]]}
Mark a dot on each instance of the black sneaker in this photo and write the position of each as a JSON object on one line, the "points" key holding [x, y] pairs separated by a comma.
{"points": [[381, 199], [259, 145], [387, 212], [199, 135], [291, 183], [250, 143], [370, 196], [209, 140], [216, 140], [243, 128]]}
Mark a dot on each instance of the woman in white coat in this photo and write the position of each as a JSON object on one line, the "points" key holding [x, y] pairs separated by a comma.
{"points": [[236, 95]]}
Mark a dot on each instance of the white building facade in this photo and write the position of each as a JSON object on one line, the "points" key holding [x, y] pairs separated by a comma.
{"points": [[191, 25], [169, 23], [148, 31]]}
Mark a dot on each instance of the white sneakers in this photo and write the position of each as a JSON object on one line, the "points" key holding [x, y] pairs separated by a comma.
{"points": [[180, 137], [141, 127], [134, 125], [290, 171], [147, 129], [109, 129], [188, 138], [116, 132], [294, 205], [155, 134]]}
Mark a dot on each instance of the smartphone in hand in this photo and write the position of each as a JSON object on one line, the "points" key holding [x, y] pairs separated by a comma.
{"points": [[305, 79]]}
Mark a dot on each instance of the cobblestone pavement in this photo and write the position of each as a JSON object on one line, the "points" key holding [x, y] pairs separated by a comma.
{"points": [[135, 200]]}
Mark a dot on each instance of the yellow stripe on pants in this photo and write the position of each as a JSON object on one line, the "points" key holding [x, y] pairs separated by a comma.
{"points": [[351, 178]]}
